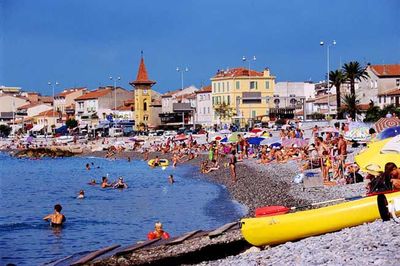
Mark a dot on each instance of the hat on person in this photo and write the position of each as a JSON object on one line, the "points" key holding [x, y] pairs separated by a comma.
{"points": [[311, 148], [294, 145], [374, 169]]}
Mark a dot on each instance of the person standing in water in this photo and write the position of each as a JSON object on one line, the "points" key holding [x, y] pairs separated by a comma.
{"points": [[81, 194], [171, 179], [87, 166], [158, 232], [57, 218]]}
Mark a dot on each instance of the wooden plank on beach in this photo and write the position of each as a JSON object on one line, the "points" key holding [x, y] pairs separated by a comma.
{"points": [[222, 229], [53, 263], [183, 238], [136, 247], [94, 255]]}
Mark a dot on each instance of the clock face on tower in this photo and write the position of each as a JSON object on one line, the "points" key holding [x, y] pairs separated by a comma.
{"points": [[145, 92]]}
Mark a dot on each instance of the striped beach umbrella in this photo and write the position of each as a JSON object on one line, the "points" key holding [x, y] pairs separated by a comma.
{"points": [[384, 122]]}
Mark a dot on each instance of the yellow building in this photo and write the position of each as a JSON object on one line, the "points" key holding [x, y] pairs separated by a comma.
{"points": [[246, 92], [142, 86]]}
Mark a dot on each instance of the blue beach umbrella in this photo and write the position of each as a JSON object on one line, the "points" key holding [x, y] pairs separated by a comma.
{"points": [[388, 133], [255, 140], [276, 144]]}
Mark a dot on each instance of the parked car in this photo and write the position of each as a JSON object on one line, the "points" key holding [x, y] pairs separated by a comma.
{"points": [[170, 133], [115, 132]]}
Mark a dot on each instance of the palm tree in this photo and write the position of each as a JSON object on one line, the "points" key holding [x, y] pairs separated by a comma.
{"points": [[224, 111], [354, 72], [337, 77], [350, 104]]}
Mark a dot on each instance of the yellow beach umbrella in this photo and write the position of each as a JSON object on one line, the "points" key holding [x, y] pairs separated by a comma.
{"points": [[372, 160]]}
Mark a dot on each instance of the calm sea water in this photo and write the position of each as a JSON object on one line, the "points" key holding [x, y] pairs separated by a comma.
{"points": [[30, 188]]}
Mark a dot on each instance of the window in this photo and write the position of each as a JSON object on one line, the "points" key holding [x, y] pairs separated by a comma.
{"points": [[214, 87], [144, 106], [253, 85], [253, 113], [208, 110], [398, 82], [213, 100], [380, 101], [223, 86], [228, 100], [219, 99], [204, 110], [267, 85], [237, 85], [219, 87], [227, 86]]}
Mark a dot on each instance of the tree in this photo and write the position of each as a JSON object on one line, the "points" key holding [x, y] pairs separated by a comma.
{"points": [[373, 114], [350, 104], [337, 78], [5, 130], [223, 111], [353, 72], [71, 123]]}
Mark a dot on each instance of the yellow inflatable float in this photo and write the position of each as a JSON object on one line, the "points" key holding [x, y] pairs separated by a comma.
{"points": [[279, 229], [162, 162]]}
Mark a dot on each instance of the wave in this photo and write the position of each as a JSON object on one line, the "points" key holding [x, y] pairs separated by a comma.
{"points": [[22, 226]]}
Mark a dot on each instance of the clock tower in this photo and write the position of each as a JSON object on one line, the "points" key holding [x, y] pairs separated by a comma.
{"points": [[142, 90]]}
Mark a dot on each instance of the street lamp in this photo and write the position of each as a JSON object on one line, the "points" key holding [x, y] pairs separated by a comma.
{"points": [[244, 59], [52, 84], [182, 70], [327, 67], [115, 79]]}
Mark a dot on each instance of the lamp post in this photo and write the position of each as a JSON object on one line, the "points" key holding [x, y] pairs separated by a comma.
{"points": [[115, 79], [244, 59], [53, 84], [328, 45], [182, 71]]}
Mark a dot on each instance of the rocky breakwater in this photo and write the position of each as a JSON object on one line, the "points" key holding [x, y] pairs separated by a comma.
{"points": [[43, 152]]}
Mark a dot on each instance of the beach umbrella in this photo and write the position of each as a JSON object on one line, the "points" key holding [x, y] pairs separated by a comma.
{"points": [[217, 138], [180, 137], [374, 158], [233, 137], [358, 132], [256, 130], [270, 141], [295, 142], [330, 130], [275, 145], [224, 139], [384, 122], [255, 140], [29, 139], [388, 133], [225, 131]]}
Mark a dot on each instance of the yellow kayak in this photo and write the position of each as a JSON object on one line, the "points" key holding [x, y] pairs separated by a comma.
{"points": [[279, 229], [163, 162]]}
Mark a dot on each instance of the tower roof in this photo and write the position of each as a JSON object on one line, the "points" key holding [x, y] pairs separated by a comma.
{"points": [[142, 77]]}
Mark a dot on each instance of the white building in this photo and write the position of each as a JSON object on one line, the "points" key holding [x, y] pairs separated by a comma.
{"points": [[169, 98], [298, 89], [33, 109], [204, 110], [381, 85], [96, 105]]}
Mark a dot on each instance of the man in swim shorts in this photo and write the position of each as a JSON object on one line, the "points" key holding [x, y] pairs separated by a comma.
{"points": [[57, 218]]}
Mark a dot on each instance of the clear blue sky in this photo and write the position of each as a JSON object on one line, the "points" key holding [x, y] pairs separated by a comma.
{"points": [[83, 42]]}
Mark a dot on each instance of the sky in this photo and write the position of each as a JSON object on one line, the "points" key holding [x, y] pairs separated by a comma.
{"points": [[81, 43]]}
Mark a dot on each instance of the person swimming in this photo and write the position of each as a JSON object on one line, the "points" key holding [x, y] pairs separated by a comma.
{"points": [[158, 232], [171, 179], [57, 218], [81, 194], [104, 182], [156, 161], [92, 182], [87, 166], [120, 183]]}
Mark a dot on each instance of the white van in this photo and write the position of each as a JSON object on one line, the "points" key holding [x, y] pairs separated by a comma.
{"points": [[115, 132]]}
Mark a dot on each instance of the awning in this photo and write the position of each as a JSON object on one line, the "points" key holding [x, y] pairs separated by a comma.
{"points": [[37, 127]]}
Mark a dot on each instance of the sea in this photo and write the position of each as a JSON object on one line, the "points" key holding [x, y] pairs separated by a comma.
{"points": [[29, 189]]}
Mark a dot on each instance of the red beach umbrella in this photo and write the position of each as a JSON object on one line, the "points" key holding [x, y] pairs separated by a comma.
{"points": [[384, 122]]}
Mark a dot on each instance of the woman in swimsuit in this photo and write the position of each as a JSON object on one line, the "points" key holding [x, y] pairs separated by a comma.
{"points": [[232, 165]]}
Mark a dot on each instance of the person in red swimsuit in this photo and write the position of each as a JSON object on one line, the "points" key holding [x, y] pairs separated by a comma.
{"points": [[158, 232]]}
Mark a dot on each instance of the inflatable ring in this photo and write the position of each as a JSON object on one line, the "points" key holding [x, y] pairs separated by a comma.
{"points": [[163, 162]]}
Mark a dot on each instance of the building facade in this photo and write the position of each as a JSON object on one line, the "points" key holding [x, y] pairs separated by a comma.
{"points": [[98, 104], [245, 91], [64, 102], [204, 108], [382, 80]]}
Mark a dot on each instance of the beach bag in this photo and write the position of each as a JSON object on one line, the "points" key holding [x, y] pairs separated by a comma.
{"points": [[298, 178]]}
